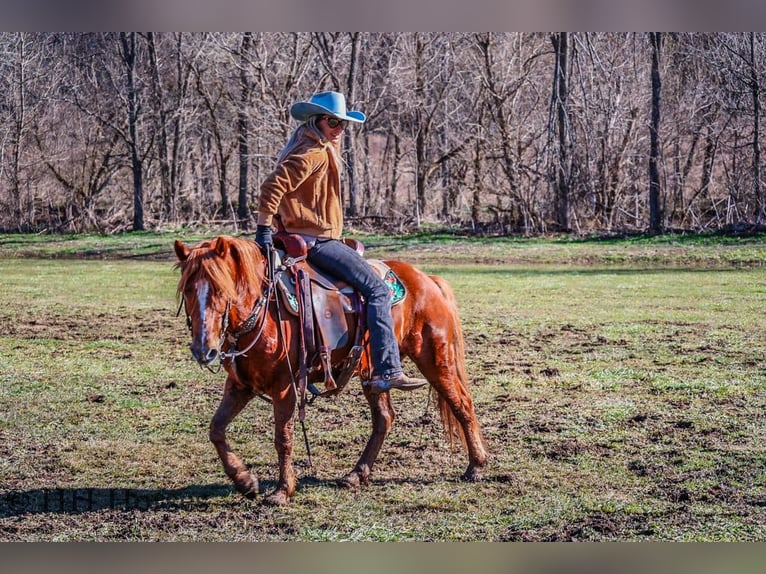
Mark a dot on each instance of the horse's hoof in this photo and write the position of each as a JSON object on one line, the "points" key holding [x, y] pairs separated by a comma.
{"points": [[276, 498], [472, 475], [353, 480], [247, 488]]}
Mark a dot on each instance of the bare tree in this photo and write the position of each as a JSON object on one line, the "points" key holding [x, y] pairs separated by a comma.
{"points": [[655, 215], [602, 113], [693, 126], [381, 149], [350, 135], [280, 66], [428, 113], [217, 102], [559, 108], [755, 93], [24, 84], [728, 160], [507, 66], [127, 49], [171, 60], [461, 128], [243, 128], [162, 133]]}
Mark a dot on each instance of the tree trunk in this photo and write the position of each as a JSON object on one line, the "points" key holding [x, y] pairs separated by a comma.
{"points": [[560, 96], [476, 203], [353, 190], [128, 44], [243, 210], [755, 90], [17, 138], [496, 99], [162, 132], [655, 215], [393, 189]]}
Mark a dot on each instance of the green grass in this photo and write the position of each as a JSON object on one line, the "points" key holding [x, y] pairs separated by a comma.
{"points": [[619, 402], [706, 250]]}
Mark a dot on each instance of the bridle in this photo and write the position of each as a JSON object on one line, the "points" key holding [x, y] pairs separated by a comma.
{"points": [[256, 321]]}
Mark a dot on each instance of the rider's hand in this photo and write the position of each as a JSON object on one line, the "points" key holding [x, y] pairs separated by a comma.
{"points": [[263, 237]]}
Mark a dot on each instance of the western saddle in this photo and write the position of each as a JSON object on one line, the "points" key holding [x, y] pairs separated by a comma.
{"points": [[327, 308]]}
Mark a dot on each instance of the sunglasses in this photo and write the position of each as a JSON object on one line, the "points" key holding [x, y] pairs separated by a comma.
{"points": [[335, 122]]}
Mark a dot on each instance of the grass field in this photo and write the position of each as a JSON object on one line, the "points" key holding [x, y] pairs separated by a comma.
{"points": [[621, 386]]}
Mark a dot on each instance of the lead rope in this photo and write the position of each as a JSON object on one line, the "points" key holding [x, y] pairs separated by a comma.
{"points": [[300, 398]]}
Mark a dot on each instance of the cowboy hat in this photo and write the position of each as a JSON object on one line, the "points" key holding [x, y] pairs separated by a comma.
{"points": [[331, 103]]}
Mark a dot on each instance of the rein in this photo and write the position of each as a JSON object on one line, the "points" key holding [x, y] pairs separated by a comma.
{"points": [[247, 326]]}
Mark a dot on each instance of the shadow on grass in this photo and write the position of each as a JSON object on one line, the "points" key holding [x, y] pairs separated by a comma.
{"points": [[194, 497], [92, 499]]}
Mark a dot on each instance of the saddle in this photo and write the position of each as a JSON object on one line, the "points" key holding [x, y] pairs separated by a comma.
{"points": [[327, 309]]}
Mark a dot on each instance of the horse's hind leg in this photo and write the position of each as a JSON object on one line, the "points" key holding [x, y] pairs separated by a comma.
{"points": [[234, 400], [459, 406], [477, 453], [383, 416], [442, 363]]}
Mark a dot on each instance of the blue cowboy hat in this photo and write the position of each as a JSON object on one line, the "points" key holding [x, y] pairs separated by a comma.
{"points": [[330, 103]]}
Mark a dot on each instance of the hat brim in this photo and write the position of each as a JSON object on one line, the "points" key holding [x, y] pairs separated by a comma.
{"points": [[304, 110]]}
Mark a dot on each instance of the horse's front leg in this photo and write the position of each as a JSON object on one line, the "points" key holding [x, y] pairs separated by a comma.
{"points": [[284, 427], [383, 416], [234, 400]]}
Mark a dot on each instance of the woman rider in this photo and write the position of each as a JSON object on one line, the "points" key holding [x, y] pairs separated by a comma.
{"points": [[304, 191]]}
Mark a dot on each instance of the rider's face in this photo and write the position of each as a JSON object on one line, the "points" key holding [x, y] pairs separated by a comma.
{"points": [[331, 128]]}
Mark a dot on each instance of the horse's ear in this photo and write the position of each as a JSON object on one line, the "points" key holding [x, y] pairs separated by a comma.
{"points": [[221, 247], [182, 252]]}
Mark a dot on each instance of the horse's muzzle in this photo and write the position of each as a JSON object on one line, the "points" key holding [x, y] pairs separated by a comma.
{"points": [[204, 356]]}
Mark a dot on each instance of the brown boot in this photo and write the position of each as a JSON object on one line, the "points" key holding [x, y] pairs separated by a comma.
{"points": [[379, 384]]}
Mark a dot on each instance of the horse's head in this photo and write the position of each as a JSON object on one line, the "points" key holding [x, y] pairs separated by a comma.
{"points": [[220, 279]]}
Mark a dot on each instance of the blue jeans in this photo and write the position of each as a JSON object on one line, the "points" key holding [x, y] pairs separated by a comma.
{"points": [[341, 261]]}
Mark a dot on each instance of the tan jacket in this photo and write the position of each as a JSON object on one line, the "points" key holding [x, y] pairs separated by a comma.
{"points": [[304, 189]]}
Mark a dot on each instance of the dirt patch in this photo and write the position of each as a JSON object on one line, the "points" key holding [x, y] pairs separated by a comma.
{"points": [[119, 325], [595, 527]]}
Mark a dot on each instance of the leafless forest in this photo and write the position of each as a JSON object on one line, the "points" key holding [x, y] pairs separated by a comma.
{"points": [[508, 133]]}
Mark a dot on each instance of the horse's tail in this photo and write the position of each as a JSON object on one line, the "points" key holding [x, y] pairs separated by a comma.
{"points": [[452, 426]]}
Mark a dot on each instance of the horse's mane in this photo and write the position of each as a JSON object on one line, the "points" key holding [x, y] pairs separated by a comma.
{"points": [[230, 264]]}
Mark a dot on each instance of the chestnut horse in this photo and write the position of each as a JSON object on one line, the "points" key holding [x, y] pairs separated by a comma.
{"points": [[232, 306]]}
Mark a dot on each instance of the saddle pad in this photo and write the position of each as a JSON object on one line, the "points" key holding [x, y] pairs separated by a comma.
{"points": [[395, 285], [286, 285]]}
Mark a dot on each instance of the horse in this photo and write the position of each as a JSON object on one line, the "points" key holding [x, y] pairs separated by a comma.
{"points": [[231, 304]]}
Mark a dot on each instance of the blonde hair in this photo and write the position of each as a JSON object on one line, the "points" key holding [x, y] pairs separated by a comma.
{"points": [[310, 125]]}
